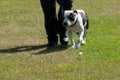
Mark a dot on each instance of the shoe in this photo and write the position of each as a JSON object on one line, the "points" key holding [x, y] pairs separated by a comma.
{"points": [[51, 44], [64, 40], [52, 40]]}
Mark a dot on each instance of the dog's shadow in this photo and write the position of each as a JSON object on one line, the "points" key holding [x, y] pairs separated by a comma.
{"points": [[41, 49]]}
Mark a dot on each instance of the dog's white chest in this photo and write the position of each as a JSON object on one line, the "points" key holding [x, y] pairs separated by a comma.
{"points": [[75, 28]]}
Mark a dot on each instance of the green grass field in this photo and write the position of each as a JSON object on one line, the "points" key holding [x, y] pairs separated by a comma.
{"points": [[24, 56]]}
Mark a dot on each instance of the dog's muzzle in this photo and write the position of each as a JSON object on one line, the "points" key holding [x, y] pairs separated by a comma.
{"points": [[65, 24]]}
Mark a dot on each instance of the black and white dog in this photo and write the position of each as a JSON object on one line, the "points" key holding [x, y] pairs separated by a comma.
{"points": [[76, 21]]}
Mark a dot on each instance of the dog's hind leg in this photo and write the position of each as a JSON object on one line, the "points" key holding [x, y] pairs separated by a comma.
{"points": [[86, 26], [83, 39], [84, 36]]}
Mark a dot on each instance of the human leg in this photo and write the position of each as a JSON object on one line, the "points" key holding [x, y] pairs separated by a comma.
{"points": [[49, 10], [64, 5]]}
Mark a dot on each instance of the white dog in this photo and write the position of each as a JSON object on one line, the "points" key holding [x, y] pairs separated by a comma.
{"points": [[76, 21]]}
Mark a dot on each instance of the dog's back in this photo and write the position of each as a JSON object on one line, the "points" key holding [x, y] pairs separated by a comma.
{"points": [[84, 17]]}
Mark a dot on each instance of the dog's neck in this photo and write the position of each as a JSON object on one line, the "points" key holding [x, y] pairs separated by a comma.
{"points": [[74, 22]]}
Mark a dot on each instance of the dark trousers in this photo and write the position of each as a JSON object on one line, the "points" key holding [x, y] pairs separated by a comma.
{"points": [[53, 25]]}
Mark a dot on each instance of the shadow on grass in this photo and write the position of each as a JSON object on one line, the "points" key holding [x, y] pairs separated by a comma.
{"points": [[32, 48], [52, 49]]}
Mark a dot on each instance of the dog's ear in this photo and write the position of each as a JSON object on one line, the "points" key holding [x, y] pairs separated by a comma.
{"points": [[75, 11]]}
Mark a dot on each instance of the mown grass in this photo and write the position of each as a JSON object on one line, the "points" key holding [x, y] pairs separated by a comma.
{"points": [[24, 56]]}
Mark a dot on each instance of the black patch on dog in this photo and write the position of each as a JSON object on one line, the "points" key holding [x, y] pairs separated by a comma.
{"points": [[71, 17], [75, 11]]}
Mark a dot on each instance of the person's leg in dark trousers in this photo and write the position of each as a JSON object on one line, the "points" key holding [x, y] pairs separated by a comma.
{"points": [[49, 9], [64, 5]]}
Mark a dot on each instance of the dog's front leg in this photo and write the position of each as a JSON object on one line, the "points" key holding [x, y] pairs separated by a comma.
{"points": [[80, 39], [71, 39]]}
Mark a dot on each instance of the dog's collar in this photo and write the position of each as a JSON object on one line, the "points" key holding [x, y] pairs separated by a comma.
{"points": [[74, 22]]}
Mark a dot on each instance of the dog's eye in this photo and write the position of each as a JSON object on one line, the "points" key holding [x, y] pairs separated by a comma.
{"points": [[71, 17]]}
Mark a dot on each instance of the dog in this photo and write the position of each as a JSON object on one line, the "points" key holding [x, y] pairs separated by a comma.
{"points": [[76, 21]]}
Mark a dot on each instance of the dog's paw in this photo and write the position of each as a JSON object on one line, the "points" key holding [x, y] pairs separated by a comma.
{"points": [[73, 46], [83, 42], [77, 46]]}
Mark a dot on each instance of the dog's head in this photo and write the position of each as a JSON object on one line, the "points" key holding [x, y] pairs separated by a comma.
{"points": [[70, 18]]}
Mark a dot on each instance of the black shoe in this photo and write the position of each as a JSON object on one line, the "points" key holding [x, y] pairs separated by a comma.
{"points": [[64, 40], [51, 44]]}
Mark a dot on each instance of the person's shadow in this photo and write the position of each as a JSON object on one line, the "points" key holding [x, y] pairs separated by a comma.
{"points": [[42, 49]]}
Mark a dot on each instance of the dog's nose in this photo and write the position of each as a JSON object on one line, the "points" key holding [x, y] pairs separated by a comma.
{"points": [[65, 24]]}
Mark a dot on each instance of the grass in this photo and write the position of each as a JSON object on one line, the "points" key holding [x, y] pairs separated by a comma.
{"points": [[24, 56]]}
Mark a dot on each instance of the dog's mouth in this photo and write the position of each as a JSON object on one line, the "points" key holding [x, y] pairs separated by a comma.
{"points": [[65, 24]]}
